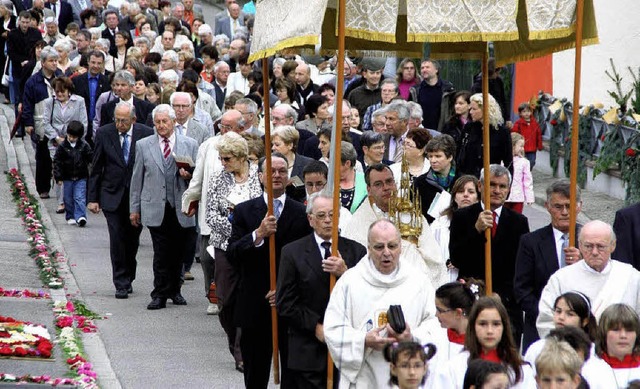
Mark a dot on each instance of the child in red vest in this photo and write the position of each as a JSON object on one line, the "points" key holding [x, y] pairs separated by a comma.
{"points": [[528, 127]]}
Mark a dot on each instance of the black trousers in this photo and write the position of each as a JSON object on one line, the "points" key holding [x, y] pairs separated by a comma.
{"points": [[257, 350], [43, 166], [124, 240], [169, 245], [227, 277], [314, 379]]}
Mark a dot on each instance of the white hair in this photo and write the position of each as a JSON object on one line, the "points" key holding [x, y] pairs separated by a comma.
{"points": [[205, 29], [63, 44], [175, 95], [164, 108], [171, 55], [169, 75], [104, 42], [51, 20]]}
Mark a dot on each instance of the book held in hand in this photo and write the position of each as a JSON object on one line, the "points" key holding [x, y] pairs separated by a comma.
{"points": [[184, 162]]}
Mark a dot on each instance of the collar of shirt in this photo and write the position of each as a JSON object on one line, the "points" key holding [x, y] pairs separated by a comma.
{"points": [[172, 141], [184, 126], [130, 101], [557, 238], [282, 199], [319, 242], [129, 134], [606, 270], [557, 234], [498, 211]]}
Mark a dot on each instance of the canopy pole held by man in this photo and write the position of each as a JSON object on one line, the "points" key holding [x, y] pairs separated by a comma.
{"points": [[575, 125], [337, 160], [486, 141], [269, 189]]}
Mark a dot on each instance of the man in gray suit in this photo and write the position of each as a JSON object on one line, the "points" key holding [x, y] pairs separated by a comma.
{"points": [[227, 24], [185, 125], [157, 186], [249, 110]]}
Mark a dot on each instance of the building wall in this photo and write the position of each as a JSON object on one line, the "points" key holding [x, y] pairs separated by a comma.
{"points": [[619, 33]]}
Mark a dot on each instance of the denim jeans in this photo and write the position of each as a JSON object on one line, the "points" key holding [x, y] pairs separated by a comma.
{"points": [[75, 199]]}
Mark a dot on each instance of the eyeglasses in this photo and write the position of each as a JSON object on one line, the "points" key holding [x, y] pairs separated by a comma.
{"points": [[591, 246], [225, 126], [127, 120], [390, 246], [322, 215], [561, 207], [180, 106], [318, 185], [225, 159]]}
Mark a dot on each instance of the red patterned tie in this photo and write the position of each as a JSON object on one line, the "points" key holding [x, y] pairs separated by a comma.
{"points": [[167, 149], [494, 226]]}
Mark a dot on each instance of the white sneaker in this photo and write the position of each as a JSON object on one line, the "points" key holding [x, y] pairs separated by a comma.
{"points": [[71, 222], [212, 309]]}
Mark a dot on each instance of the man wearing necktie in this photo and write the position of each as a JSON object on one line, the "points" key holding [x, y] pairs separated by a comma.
{"points": [[111, 21], [303, 290], [397, 119], [466, 247], [248, 250], [108, 190], [157, 185], [542, 252]]}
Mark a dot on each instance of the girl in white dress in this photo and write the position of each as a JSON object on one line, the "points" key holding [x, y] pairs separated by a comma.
{"points": [[488, 337], [570, 309], [408, 362], [618, 344]]}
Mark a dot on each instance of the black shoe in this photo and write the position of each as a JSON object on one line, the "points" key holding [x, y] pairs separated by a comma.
{"points": [[122, 294], [130, 290], [240, 367], [157, 303], [179, 300]]}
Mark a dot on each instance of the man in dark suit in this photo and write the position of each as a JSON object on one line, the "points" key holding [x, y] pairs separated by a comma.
{"points": [[111, 20], [228, 25], [91, 85], [248, 249], [541, 253], [63, 11], [467, 242], [626, 225], [123, 83], [221, 72], [303, 291], [157, 185], [113, 157]]}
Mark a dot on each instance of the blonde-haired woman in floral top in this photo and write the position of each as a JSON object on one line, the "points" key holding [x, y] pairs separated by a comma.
{"points": [[237, 182]]}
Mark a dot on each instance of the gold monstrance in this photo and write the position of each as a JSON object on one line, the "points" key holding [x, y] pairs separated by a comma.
{"points": [[404, 212]]}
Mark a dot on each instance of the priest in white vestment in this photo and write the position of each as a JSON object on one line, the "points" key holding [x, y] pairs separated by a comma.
{"points": [[425, 256], [355, 323], [604, 280]]}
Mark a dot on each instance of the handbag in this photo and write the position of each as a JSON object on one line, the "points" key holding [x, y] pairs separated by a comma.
{"points": [[395, 318]]}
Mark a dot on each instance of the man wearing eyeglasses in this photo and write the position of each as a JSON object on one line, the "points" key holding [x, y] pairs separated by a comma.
{"points": [[302, 294], [251, 230], [314, 176], [185, 124], [604, 280], [249, 110], [541, 253]]}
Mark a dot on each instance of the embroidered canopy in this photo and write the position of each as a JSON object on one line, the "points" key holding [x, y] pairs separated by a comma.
{"points": [[520, 29]]}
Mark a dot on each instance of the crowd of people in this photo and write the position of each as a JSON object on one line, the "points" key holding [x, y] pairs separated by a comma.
{"points": [[153, 116]]}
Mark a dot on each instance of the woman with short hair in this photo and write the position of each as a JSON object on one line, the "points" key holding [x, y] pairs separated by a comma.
{"points": [[317, 108]]}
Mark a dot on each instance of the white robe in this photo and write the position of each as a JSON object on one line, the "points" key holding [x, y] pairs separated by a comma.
{"points": [[617, 283], [451, 375], [597, 375], [614, 378], [426, 256], [359, 298]]}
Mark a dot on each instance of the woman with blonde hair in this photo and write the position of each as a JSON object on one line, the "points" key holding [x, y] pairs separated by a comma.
{"points": [[284, 139], [470, 155], [236, 182]]}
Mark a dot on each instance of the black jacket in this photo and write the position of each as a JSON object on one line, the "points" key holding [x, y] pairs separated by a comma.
{"points": [[427, 187], [20, 46], [72, 163], [470, 154]]}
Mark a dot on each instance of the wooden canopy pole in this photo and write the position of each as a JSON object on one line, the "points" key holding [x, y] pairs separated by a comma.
{"points": [[269, 189], [336, 152], [486, 192], [575, 124]]}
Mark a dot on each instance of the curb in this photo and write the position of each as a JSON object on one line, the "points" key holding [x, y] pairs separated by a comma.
{"points": [[18, 156]]}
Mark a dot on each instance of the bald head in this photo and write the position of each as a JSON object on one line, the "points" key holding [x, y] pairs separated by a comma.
{"points": [[597, 242], [303, 75], [232, 120]]}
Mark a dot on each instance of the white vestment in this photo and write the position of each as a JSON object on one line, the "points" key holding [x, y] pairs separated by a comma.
{"points": [[359, 303], [614, 378], [618, 282], [426, 256], [451, 375], [595, 371]]}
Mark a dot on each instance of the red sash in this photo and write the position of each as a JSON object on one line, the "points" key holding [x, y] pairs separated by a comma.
{"points": [[628, 362], [455, 337]]}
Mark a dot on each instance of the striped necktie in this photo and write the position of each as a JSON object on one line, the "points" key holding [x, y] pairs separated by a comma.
{"points": [[166, 150]]}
